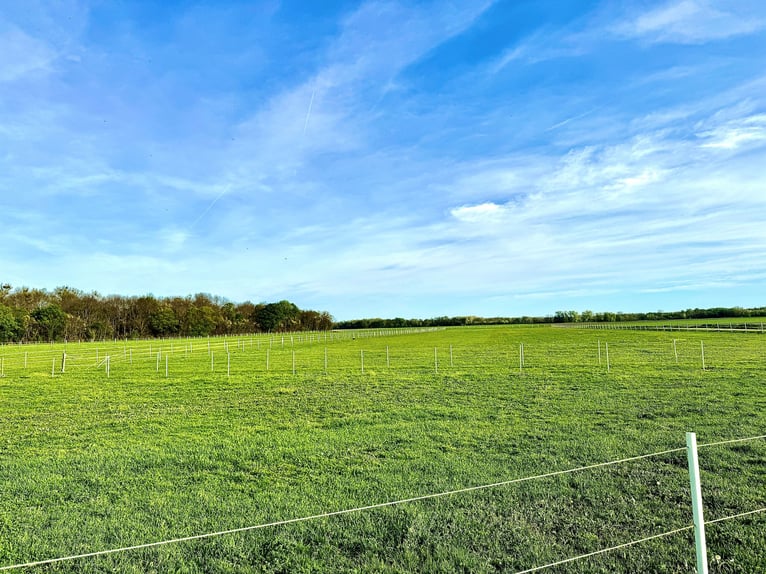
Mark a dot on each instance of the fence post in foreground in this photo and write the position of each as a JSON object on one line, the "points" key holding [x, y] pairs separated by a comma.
{"points": [[696, 491]]}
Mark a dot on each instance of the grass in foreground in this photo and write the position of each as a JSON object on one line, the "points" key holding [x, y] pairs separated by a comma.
{"points": [[90, 463]]}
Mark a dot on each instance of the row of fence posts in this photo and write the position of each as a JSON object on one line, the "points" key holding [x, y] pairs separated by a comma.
{"points": [[302, 338], [294, 369], [746, 328], [129, 355]]}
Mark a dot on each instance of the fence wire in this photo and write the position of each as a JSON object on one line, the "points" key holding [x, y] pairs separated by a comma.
{"points": [[416, 499]]}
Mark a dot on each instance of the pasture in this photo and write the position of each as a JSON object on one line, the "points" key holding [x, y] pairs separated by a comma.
{"points": [[187, 437]]}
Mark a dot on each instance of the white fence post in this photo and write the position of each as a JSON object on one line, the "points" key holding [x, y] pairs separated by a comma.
{"points": [[696, 491]]}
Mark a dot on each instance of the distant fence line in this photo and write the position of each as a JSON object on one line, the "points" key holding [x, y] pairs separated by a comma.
{"points": [[312, 354], [718, 327], [298, 336]]}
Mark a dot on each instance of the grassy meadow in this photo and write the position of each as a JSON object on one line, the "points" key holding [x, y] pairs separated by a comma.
{"points": [[252, 430]]}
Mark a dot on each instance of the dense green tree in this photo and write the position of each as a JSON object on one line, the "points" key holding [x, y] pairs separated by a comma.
{"points": [[141, 309], [566, 317], [281, 316], [99, 330], [245, 314], [10, 329], [51, 321], [200, 321], [163, 322]]}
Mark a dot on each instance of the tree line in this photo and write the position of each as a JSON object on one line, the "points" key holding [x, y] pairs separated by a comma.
{"points": [[558, 317], [696, 313], [35, 315], [460, 321]]}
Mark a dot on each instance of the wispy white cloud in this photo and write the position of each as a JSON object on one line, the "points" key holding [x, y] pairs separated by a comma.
{"points": [[385, 167], [483, 212], [22, 55], [376, 43], [674, 21], [513, 54], [691, 21], [544, 45], [665, 208], [746, 131], [571, 119]]}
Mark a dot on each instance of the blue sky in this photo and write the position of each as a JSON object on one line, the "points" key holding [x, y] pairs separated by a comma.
{"points": [[388, 158]]}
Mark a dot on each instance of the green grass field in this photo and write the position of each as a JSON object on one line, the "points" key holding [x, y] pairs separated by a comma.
{"points": [[90, 462]]}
